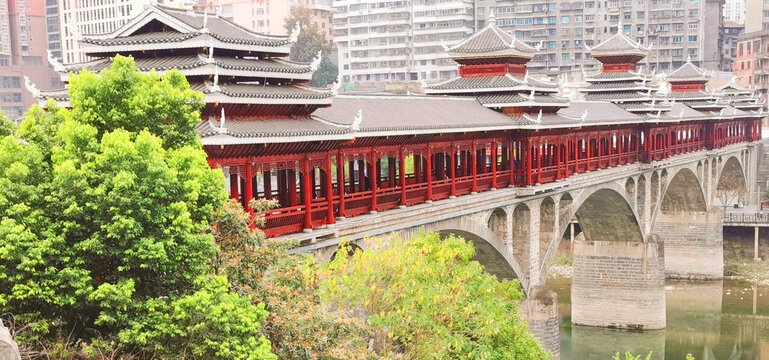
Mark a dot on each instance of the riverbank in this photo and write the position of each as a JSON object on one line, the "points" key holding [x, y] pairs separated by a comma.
{"points": [[756, 273]]}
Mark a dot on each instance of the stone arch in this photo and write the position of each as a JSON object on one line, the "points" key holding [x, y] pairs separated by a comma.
{"points": [[655, 190], [497, 223], [615, 268], [630, 188], [700, 174], [731, 182], [556, 234], [683, 193], [494, 262], [640, 199], [547, 225], [521, 233]]}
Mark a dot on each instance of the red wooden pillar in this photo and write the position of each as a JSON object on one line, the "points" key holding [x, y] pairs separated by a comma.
{"points": [[267, 174], [475, 168], [391, 171], [234, 182], [529, 161], [557, 155], [539, 151], [511, 158], [249, 187], [453, 170], [402, 168], [307, 194], [494, 164], [329, 191], [429, 173], [374, 176], [340, 181]]}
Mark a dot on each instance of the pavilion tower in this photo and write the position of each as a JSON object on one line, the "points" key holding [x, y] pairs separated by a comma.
{"points": [[492, 67], [688, 85], [619, 80]]}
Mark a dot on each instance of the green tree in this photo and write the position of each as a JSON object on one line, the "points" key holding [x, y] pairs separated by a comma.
{"points": [[298, 326], [7, 126], [104, 225], [309, 43], [427, 300]]}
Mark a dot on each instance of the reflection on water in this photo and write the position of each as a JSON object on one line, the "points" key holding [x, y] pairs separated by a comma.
{"points": [[715, 320]]}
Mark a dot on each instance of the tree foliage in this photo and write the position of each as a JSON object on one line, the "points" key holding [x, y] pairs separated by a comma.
{"points": [[298, 326], [430, 300], [309, 43], [7, 126], [104, 230]]}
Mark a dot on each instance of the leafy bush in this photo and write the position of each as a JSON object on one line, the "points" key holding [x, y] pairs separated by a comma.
{"points": [[104, 225], [428, 300]]}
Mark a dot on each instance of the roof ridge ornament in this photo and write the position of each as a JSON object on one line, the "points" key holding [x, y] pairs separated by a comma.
{"points": [[539, 116], [210, 50], [215, 87], [57, 66], [584, 116], [315, 64], [492, 19], [295, 33], [31, 87], [75, 31], [681, 114], [337, 85], [218, 12], [689, 59], [445, 47], [222, 129], [355, 126], [531, 95], [204, 30]]}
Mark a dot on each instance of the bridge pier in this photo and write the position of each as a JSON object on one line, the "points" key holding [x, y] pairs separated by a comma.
{"points": [[694, 246], [618, 284], [540, 309]]}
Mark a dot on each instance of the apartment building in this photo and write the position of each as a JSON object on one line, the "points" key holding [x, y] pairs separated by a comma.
{"points": [[734, 11], [53, 28], [269, 16], [756, 15], [751, 65], [732, 32], [399, 40], [94, 17], [674, 28], [23, 45]]}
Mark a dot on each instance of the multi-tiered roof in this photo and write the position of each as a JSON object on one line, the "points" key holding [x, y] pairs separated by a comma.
{"points": [[620, 81], [245, 74], [493, 69]]}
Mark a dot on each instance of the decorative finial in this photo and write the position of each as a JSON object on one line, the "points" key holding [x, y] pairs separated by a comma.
{"points": [[316, 61], [539, 116], [357, 121], [75, 31], [218, 11], [215, 87], [57, 66], [539, 45], [337, 85], [445, 47], [531, 95], [681, 114], [584, 116], [689, 59], [721, 113], [619, 25], [492, 19], [222, 129], [295, 33], [210, 50], [31, 87], [588, 48]]}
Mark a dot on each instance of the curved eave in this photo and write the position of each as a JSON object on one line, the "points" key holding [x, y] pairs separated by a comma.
{"points": [[610, 90], [223, 140], [209, 70], [222, 98], [470, 91], [527, 104], [198, 42]]}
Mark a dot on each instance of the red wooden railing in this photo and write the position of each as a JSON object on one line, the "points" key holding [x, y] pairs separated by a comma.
{"points": [[389, 194]]}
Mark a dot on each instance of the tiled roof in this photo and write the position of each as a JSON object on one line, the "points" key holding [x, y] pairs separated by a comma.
{"points": [[616, 76], [489, 83], [195, 61], [216, 27], [617, 45], [619, 95], [692, 95], [687, 72], [257, 91], [522, 100], [412, 113], [491, 41], [56, 94], [261, 128], [614, 85]]}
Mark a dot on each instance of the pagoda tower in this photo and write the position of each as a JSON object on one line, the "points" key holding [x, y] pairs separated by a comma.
{"points": [[243, 74], [688, 85], [619, 80], [492, 67]]}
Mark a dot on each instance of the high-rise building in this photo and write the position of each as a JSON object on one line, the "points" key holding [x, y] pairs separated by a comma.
{"points": [[732, 31], [23, 45], [269, 16], [675, 29], [734, 11], [756, 15], [53, 28], [751, 66], [399, 40], [95, 17]]}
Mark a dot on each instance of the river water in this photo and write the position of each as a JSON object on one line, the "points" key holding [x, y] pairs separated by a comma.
{"points": [[714, 320]]}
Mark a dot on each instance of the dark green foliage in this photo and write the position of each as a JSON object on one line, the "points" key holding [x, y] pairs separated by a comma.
{"points": [[307, 45]]}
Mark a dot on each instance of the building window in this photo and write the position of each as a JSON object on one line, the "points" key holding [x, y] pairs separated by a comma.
{"points": [[565, 56], [677, 52], [694, 25], [10, 97], [10, 82], [578, 18], [627, 15], [551, 45], [678, 39], [692, 38], [640, 29], [640, 14], [626, 29], [565, 44], [564, 19]]}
